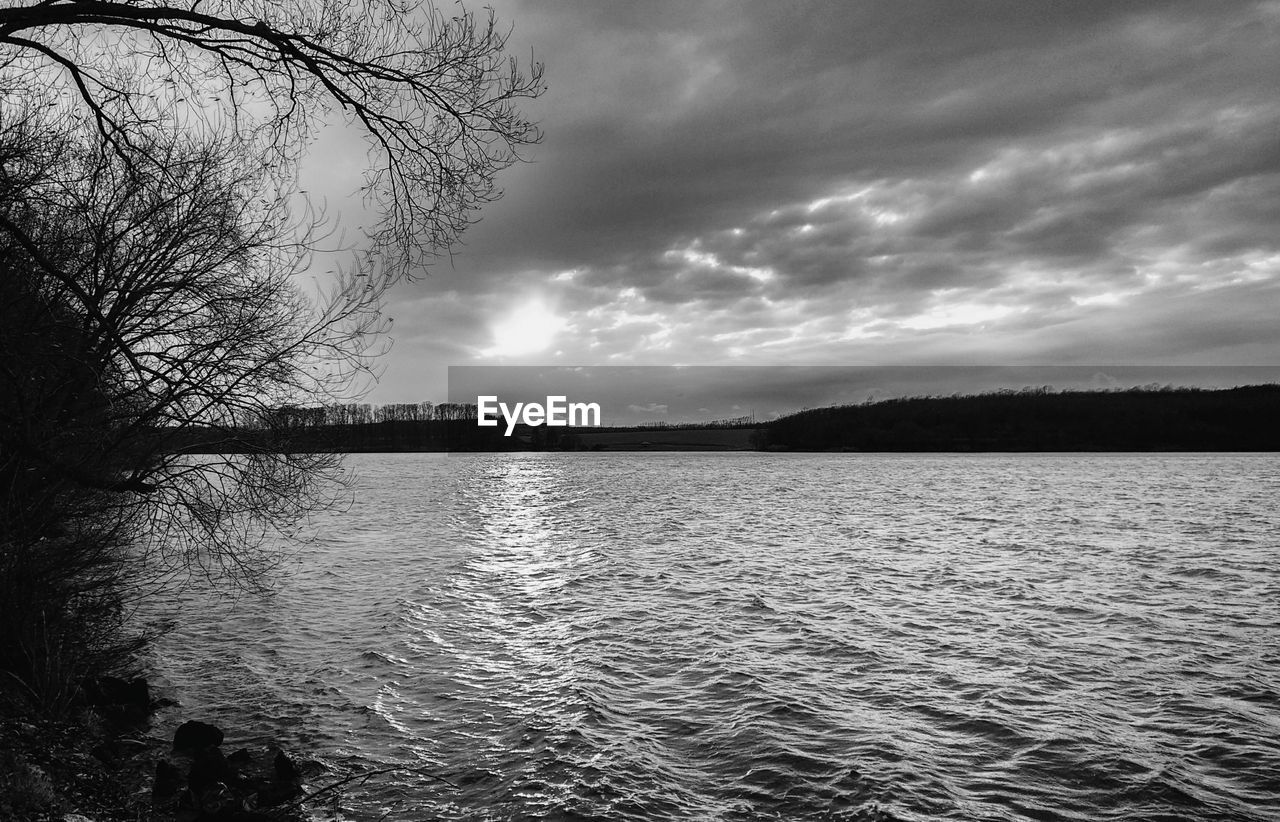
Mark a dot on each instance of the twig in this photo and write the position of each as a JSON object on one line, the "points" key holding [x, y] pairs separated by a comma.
{"points": [[361, 778]]}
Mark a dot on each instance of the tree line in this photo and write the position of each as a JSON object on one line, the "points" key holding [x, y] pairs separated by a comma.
{"points": [[1147, 418], [346, 428], [295, 417], [1143, 418], [425, 426]]}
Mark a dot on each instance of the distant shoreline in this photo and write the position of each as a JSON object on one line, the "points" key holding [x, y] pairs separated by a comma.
{"points": [[1031, 420]]}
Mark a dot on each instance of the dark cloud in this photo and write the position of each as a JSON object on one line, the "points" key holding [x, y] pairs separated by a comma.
{"points": [[691, 121]]}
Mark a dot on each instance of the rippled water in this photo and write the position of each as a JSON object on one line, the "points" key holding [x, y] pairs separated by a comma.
{"points": [[747, 636]]}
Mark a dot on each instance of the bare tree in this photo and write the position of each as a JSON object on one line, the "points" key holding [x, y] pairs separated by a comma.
{"points": [[148, 197], [148, 314], [435, 95], [152, 235]]}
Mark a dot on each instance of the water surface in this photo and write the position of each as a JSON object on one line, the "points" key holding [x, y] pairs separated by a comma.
{"points": [[748, 636]]}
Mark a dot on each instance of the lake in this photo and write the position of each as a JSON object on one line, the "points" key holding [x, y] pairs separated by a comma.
{"points": [[735, 636]]}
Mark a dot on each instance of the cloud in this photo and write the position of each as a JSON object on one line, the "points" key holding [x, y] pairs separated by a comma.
{"points": [[844, 182], [649, 408]]}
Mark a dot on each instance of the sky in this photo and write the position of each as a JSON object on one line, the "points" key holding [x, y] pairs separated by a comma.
{"points": [[1010, 182]]}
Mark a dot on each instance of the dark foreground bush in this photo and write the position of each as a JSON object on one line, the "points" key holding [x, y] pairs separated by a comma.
{"points": [[50, 769], [62, 608]]}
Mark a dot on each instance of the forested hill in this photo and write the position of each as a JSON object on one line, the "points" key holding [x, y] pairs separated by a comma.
{"points": [[1182, 419]]}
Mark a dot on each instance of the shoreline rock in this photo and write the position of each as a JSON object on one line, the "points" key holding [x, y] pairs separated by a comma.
{"points": [[245, 786], [102, 763], [194, 735]]}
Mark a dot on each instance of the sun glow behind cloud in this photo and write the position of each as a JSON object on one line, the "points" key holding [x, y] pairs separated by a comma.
{"points": [[530, 328]]}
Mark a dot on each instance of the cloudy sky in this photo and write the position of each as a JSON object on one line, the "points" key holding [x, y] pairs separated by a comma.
{"points": [[813, 183]]}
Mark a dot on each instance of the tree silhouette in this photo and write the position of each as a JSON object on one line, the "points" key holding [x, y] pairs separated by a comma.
{"points": [[141, 309], [152, 238], [435, 95]]}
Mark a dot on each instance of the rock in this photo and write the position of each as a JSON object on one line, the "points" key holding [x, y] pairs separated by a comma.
{"points": [[241, 759], [194, 734], [208, 768], [277, 793], [168, 780], [75, 817], [285, 782], [286, 771]]}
